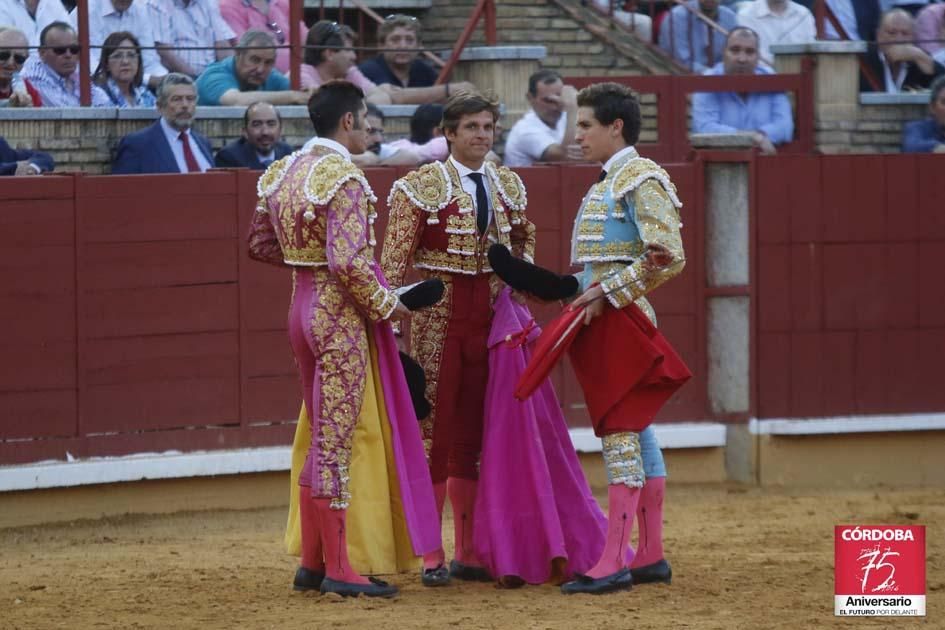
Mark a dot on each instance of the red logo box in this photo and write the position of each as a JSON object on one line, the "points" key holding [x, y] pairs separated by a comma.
{"points": [[879, 570]]}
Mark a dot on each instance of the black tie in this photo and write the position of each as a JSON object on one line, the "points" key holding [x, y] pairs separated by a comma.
{"points": [[482, 203], [602, 176]]}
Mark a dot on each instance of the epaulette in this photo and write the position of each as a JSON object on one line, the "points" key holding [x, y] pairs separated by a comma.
{"points": [[328, 174], [509, 185], [274, 174], [634, 172], [429, 187]]}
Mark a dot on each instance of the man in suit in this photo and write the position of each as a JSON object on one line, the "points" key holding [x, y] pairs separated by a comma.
{"points": [[169, 145], [21, 162], [895, 61], [261, 143]]}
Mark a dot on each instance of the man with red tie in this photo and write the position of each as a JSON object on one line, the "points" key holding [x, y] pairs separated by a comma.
{"points": [[169, 145]]}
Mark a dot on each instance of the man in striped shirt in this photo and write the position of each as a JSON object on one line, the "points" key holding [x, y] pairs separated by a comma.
{"points": [[182, 25]]}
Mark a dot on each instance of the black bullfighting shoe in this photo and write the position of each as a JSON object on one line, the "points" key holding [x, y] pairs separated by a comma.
{"points": [[439, 576], [524, 276], [417, 384], [422, 294], [377, 588], [656, 572], [307, 580], [469, 573], [619, 581]]}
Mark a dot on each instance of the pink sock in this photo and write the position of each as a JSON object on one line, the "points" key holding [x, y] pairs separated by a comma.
{"points": [[621, 506], [335, 544], [462, 494], [433, 559], [311, 535], [650, 517]]}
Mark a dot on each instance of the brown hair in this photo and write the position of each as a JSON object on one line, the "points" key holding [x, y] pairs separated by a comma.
{"points": [[611, 101], [110, 45], [465, 103], [397, 20]]}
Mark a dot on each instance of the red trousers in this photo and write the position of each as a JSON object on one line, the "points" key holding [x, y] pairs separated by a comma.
{"points": [[461, 386]]}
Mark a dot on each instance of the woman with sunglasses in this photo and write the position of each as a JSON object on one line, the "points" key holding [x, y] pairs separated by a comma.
{"points": [[120, 72], [14, 90]]}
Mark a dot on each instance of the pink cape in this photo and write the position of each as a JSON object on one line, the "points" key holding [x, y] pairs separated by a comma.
{"points": [[533, 504]]}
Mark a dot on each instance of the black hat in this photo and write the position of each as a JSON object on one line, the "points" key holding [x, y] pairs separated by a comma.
{"points": [[522, 275], [417, 384], [423, 294]]}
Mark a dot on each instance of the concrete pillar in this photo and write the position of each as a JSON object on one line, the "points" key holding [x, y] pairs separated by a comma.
{"points": [[503, 70], [728, 317], [836, 75]]}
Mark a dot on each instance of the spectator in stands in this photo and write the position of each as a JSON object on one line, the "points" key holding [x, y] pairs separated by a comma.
{"points": [[858, 18], [928, 136], [625, 13], [181, 24], [778, 22], [546, 131], [897, 63], [248, 76], [130, 16], [22, 162], [398, 63], [767, 115], [120, 73], [425, 144], [322, 63], [929, 27], [32, 16], [14, 90], [690, 40], [910, 6], [55, 73], [261, 143], [169, 145], [271, 16]]}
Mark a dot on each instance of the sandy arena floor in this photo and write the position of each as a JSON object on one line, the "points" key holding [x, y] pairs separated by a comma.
{"points": [[742, 558]]}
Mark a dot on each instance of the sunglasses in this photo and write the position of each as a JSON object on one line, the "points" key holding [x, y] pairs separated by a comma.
{"points": [[399, 16], [280, 36], [61, 50], [17, 57]]}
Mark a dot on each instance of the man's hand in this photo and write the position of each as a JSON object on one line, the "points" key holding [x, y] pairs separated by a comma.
{"points": [[368, 158], [20, 99], [569, 97], [594, 299], [939, 148], [400, 313], [763, 143], [656, 257], [25, 168]]}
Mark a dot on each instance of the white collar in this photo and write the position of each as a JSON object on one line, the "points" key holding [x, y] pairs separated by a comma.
{"points": [[619, 155], [465, 170], [171, 132], [328, 143]]}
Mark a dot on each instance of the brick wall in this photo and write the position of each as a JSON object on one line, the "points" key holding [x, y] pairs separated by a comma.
{"points": [[876, 129]]}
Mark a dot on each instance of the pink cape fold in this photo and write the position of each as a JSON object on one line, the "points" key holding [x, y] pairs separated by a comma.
{"points": [[533, 504]]}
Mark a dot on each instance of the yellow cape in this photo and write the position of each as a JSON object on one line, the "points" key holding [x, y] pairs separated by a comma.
{"points": [[378, 540]]}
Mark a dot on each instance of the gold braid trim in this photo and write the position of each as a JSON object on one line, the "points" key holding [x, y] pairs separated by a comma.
{"points": [[429, 188], [638, 170]]}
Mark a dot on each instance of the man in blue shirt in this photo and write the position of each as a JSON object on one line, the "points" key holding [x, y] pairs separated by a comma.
{"points": [[928, 136], [248, 76], [690, 40], [398, 64], [766, 114]]}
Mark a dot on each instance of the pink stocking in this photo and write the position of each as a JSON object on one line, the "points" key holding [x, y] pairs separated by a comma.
{"points": [[650, 516], [335, 544], [311, 532], [462, 494], [622, 505], [433, 559]]}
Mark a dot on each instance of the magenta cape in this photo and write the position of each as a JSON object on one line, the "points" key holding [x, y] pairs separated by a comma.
{"points": [[533, 504]]}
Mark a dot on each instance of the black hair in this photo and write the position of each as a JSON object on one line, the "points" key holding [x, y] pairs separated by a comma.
{"points": [[611, 101], [331, 102]]}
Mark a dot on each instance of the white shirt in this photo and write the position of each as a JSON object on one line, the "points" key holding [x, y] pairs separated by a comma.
{"points": [[197, 24], [843, 9], [794, 26], [619, 155], [266, 158], [469, 186], [13, 13], [177, 148], [893, 83], [529, 138], [328, 144], [105, 20]]}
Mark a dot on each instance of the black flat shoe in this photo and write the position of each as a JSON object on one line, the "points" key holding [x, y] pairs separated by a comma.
{"points": [[377, 588], [440, 576], [469, 573], [656, 572], [307, 580], [619, 581]]}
